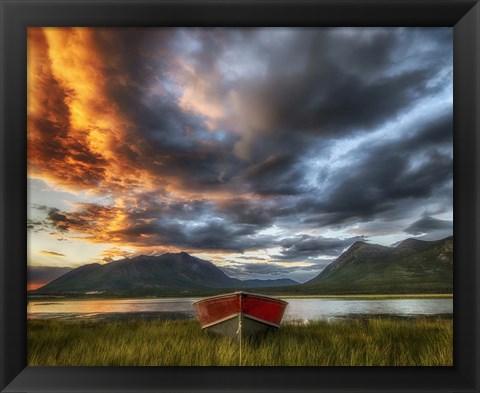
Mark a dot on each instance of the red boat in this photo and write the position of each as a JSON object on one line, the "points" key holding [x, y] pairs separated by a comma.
{"points": [[240, 313]]}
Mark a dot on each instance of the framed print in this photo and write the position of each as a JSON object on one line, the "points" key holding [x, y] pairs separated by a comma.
{"points": [[285, 193]]}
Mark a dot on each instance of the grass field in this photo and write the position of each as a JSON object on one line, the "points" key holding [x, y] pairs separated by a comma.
{"points": [[348, 342]]}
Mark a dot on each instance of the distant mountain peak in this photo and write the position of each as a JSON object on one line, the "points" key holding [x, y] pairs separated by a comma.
{"points": [[186, 256], [411, 242], [359, 243], [89, 266], [177, 254]]}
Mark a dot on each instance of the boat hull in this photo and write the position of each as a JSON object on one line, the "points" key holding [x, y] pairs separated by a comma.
{"points": [[240, 313], [230, 327]]}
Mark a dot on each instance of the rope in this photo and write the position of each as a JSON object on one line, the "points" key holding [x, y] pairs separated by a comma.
{"points": [[240, 339], [239, 331]]}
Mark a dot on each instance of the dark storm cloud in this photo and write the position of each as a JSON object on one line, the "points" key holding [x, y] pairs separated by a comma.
{"points": [[202, 171], [54, 218], [437, 131], [341, 82], [213, 234], [35, 225], [427, 225], [383, 176], [328, 90], [151, 215], [303, 247], [318, 102], [63, 222], [246, 212], [277, 175], [164, 138], [147, 206], [188, 225], [89, 219], [134, 52], [382, 183]]}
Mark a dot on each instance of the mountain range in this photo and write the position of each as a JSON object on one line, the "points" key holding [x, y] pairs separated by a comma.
{"points": [[413, 266], [152, 274]]}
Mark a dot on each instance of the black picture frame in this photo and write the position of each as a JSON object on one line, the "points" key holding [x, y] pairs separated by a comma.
{"points": [[17, 15]]}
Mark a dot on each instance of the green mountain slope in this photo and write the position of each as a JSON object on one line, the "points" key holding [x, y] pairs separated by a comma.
{"points": [[413, 266]]}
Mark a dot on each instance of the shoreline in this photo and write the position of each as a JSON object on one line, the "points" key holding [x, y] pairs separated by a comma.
{"points": [[41, 298], [156, 316]]}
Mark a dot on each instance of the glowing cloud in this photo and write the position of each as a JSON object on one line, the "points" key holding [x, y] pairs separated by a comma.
{"points": [[52, 253]]}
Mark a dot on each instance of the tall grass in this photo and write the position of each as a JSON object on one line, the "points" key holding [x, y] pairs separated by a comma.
{"points": [[350, 342]]}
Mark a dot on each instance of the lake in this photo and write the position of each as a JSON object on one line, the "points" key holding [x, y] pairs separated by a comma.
{"points": [[178, 308]]}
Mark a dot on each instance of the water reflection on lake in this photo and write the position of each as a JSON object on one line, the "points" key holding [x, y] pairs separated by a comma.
{"points": [[298, 309], [326, 308]]}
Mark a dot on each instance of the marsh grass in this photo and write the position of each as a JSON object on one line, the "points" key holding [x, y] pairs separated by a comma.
{"points": [[348, 342]]}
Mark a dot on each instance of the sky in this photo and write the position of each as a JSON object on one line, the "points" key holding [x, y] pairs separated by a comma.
{"points": [[268, 151]]}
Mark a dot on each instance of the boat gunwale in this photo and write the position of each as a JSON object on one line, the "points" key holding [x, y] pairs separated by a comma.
{"points": [[240, 293]]}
